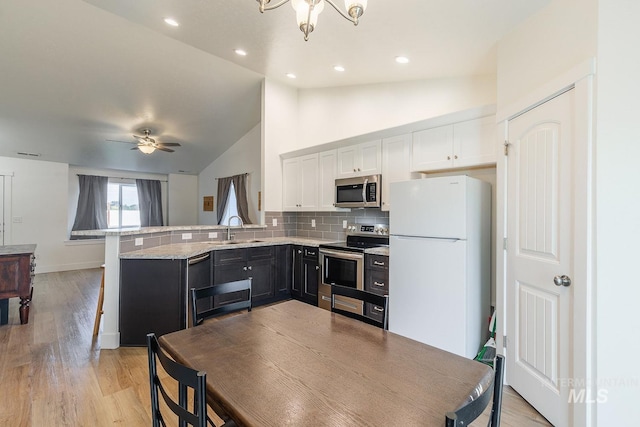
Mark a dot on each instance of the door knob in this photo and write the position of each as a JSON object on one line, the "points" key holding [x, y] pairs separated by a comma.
{"points": [[563, 280]]}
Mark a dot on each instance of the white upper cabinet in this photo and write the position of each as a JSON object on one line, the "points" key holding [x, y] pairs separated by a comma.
{"points": [[464, 144], [359, 160], [474, 142], [396, 164], [300, 183], [327, 171], [432, 149]]}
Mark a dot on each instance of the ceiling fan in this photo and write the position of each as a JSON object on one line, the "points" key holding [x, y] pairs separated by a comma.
{"points": [[148, 145]]}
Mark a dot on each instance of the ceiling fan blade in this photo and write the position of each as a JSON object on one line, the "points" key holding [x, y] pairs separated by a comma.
{"points": [[115, 140], [168, 150], [168, 144]]}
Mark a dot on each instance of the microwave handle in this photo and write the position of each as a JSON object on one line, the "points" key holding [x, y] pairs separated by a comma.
{"points": [[364, 190]]}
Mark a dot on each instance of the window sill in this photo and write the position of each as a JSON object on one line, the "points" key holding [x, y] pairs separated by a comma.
{"points": [[81, 242]]}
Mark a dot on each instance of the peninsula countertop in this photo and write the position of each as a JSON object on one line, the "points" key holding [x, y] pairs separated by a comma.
{"points": [[188, 250]]}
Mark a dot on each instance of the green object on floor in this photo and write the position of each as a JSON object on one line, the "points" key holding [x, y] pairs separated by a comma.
{"points": [[487, 353]]}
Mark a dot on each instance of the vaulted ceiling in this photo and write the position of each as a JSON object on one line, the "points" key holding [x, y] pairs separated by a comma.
{"points": [[77, 73]]}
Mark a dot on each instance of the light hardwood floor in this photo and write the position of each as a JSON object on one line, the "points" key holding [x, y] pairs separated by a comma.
{"points": [[53, 373]]}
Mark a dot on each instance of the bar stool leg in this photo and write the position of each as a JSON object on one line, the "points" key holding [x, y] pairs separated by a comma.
{"points": [[99, 312]]}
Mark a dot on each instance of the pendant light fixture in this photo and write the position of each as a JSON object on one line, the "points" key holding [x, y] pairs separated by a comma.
{"points": [[307, 11]]}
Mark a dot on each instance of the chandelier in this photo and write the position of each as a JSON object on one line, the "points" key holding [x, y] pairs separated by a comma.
{"points": [[307, 11]]}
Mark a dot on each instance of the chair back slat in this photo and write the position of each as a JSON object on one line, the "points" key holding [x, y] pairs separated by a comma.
{"points": [[185, 377], [210, 292], [472, 409]]}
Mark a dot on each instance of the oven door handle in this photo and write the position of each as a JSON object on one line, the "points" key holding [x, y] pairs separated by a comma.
{"points": [[345, 255]]}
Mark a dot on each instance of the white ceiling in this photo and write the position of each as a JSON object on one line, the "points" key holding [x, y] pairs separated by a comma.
{"points": [[75, 73]]}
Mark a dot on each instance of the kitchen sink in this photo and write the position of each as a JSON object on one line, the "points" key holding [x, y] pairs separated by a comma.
{"points": [[237, 242]]}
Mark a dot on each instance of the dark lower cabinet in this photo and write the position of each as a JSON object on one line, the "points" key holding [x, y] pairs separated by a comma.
{"points": [[152, 298], [284, 271], [306, 274], [376, 280], [238, 264]]}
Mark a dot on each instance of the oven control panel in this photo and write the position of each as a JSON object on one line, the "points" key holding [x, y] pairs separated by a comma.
{"points": [[368, 229]]}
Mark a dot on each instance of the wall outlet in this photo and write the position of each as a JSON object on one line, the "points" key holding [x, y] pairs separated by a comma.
{"points": [[275, 222], [313, 223], [138, 241], [186, 236], [213, 235], [344, 224]]}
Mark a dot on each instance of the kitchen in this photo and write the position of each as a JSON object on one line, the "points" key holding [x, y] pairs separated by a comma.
{"points": [[564, 54]]}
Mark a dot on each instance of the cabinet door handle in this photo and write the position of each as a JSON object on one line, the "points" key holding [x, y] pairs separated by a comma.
{"points": [[378, 263], [379, 284], [379, 309], [326, 298]]}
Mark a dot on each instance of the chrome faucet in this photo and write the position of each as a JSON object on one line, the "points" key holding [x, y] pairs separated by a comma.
{"points": [[229, 225]]}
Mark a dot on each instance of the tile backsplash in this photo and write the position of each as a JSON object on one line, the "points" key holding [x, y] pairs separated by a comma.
{"points": [[317, 225], [328, 225]]}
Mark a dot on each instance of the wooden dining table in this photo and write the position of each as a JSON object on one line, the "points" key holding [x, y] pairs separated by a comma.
{"points": [[298, 365]]}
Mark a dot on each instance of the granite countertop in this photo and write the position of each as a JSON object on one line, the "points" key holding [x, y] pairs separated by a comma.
{"points": [[188, 250], [383, 250], [17, 249]]}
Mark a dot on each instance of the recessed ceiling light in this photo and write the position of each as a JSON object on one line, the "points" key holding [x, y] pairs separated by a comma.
{"points": [[291, 75], [171, 21], [402, 60], [339, 68], [240, 52]]}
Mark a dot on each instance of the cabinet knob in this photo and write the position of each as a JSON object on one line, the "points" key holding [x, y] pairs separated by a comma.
{"points": [[244, 268], [448, 157], [250, 268], [317, 267], [355, 170], [358, 169], [455, 157]]}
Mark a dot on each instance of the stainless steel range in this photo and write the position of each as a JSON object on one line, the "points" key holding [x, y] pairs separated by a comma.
{"points": [[342, 264]]}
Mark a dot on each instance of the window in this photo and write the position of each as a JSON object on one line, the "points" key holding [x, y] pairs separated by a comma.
{"points": [[122, 205], [232, 206]]}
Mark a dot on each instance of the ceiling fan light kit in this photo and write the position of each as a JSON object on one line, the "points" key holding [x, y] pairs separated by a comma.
{"points": [[307, 11], [146, 149], [148, 145]]}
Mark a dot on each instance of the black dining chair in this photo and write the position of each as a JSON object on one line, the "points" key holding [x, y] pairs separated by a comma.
{"points": [[210, 292], [186, 379], [466, 414], [379, 302]]}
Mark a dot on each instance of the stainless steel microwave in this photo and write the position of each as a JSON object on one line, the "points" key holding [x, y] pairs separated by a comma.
{"points": [[358, 192]]}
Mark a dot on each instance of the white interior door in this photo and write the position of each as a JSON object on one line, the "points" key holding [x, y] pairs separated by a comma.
{"points": [[540, 212]]}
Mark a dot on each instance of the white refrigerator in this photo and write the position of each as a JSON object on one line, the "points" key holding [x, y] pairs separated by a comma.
{"points": [[440, 262]]}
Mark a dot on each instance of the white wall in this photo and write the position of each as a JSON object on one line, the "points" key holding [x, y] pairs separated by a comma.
{"points": [[182, 199], [279, 135], [618, 212], [39, 214], [332, 114], [547, 44], [241, 157]]}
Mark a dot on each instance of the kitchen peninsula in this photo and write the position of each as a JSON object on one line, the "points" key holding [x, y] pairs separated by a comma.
{"points": [[169, 243]]}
